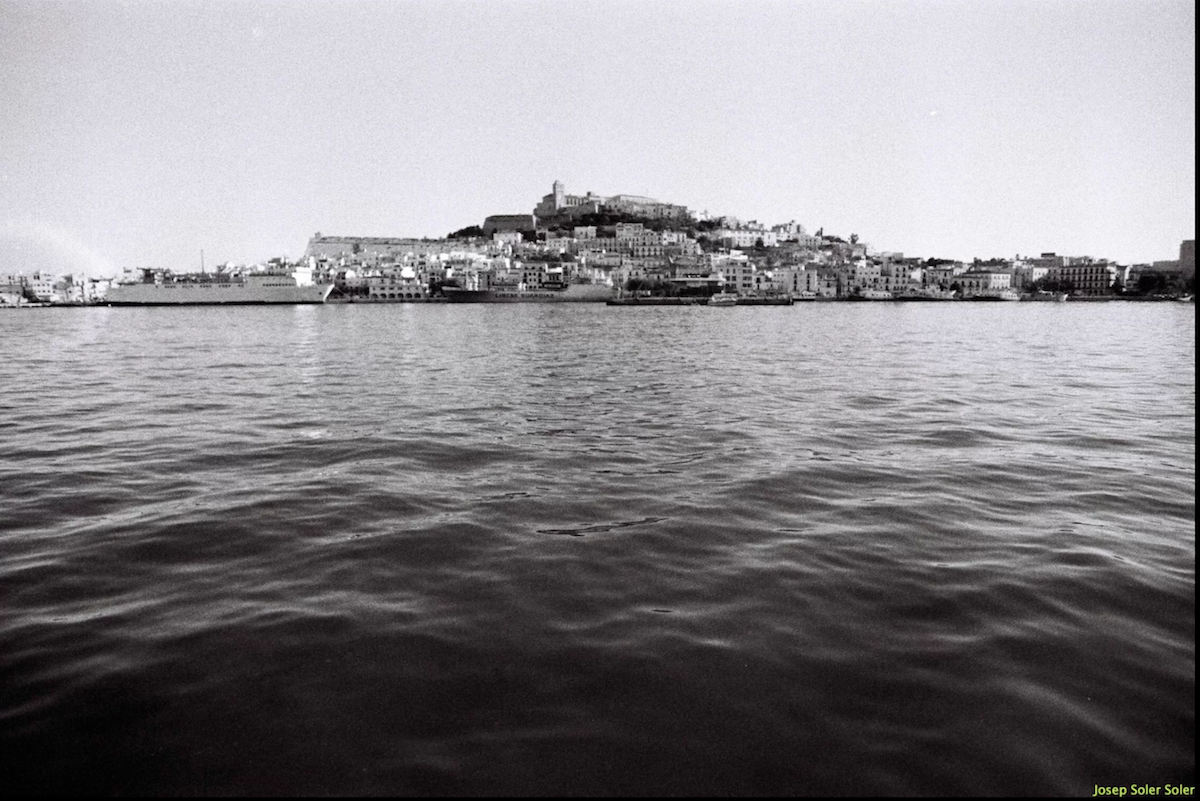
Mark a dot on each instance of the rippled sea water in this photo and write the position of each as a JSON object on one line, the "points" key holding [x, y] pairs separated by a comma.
{"points": [[832, 548]]}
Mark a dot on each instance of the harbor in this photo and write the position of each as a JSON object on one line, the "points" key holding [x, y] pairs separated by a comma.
{"points": [[620, 250], [539, 399]]}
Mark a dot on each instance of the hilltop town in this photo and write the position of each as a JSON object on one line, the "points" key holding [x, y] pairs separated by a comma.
{"points": [[644, 247]]}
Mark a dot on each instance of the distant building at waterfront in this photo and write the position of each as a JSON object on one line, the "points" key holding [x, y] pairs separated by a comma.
{"points": [[1025, 274], [1088, 277], [942, 274], [1187, 258], [41, 285], [398, 283], [1183, 268], [983, 282], [12, 290]]}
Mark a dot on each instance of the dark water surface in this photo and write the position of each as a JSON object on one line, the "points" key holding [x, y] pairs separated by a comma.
{"points": [[833, 548]]}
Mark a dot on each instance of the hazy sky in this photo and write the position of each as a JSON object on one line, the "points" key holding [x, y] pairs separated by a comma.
{"points": [[140, 133]]}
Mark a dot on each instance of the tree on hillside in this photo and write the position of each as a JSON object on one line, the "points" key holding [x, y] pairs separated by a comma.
{"points": [[1152, 284]]}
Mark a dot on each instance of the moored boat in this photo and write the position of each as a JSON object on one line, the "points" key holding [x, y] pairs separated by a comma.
{"points": [[515, 293], [208, 289], [987, 295], [870, 294]]}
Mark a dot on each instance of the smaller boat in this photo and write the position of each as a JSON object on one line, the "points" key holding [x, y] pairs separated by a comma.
{"points": [[922, 295], [723, 299], [988, 295], [870, 294]]}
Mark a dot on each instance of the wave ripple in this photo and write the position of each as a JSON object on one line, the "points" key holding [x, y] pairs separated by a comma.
{"points": [[832, 549]]}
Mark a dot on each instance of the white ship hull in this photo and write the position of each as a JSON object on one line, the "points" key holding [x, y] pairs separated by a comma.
{"points": [[272, 289]]}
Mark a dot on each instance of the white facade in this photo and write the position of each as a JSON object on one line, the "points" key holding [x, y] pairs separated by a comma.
{"points": [[746, 238], [1089, 278], [983, 282], [42, 286]]}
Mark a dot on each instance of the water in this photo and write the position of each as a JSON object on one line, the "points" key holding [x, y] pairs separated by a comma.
{"points": [[833, 548]]}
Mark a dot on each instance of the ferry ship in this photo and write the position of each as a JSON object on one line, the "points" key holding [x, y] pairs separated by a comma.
{"points": [[207, 289], [515, 293]]}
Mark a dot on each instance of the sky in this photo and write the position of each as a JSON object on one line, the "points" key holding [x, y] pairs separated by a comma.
{"points": [[140, 134]]}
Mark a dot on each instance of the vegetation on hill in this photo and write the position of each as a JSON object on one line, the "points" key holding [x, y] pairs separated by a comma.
{"points": [[549, 258], [610, 219], [605, 222], [1156, 283]]}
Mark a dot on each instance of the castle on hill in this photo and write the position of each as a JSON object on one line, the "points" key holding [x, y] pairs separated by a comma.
{"points": [[559, 207]]}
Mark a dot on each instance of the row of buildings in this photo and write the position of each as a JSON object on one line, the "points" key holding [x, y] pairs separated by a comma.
{"points": [[633, 241], [410, 269], [17, 289], [781, 260]]}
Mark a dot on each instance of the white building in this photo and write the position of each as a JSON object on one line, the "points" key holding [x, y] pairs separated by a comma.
{"points": [[1089, 277], [983, 282], [42, 286], [746, 238]]}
